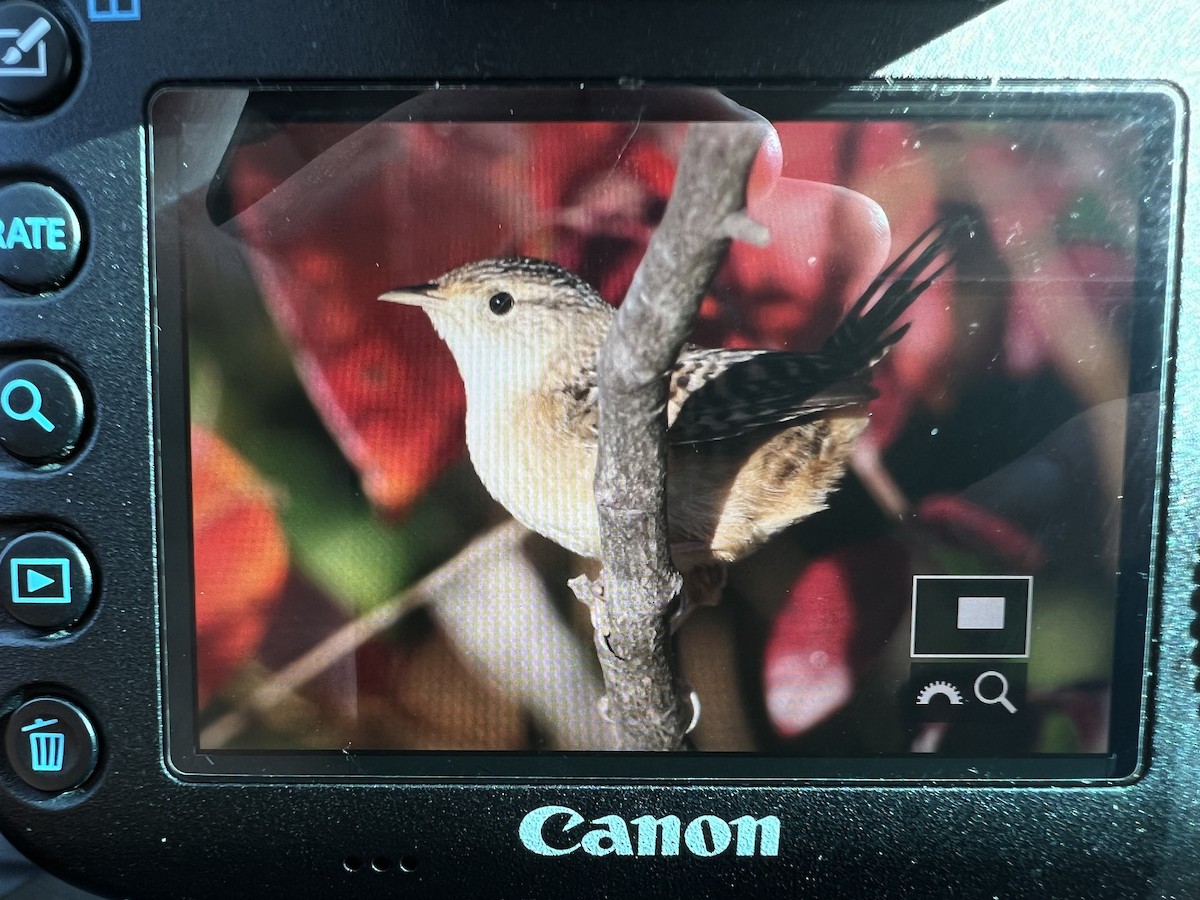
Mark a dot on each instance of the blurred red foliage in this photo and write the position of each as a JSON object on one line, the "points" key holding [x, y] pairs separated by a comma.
{"points": [[837, 617], [241, 559], [958, 521]]}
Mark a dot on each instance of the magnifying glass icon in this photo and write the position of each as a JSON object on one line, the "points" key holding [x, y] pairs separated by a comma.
{"points": [[33, 410], [1002, 697]]}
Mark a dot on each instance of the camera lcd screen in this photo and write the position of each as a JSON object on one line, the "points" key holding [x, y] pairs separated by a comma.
{"points": [[350, 591]]}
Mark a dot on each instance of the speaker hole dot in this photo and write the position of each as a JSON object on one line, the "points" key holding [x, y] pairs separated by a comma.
{"points": [[408, 863], [381, 864], [353, 864]]}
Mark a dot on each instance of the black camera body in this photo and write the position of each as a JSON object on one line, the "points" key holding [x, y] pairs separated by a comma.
{"points": [[229, 662]]}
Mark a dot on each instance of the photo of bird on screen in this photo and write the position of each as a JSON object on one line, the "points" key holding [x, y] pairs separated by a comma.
{"points": [[399, 421], [757, 438]]}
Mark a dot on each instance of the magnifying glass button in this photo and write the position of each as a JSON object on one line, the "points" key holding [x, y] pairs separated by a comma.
{"points": [[42, 411]]}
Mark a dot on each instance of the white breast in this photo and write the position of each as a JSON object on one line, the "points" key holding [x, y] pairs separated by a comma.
{"points": [[544, 482]]}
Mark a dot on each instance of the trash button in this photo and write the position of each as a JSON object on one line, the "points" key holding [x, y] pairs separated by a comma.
{"points": [[51, 744]]}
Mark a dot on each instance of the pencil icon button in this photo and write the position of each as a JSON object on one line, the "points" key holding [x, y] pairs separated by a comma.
{"points": [[37, 59]]}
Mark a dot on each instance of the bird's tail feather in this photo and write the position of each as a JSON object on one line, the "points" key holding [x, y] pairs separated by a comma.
{"points": [[866, 332], [771, 388]]}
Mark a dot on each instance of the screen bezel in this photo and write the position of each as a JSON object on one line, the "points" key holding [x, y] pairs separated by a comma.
{"points": [[1149, 102]]}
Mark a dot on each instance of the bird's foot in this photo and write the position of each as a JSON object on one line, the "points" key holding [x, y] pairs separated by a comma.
{"points": [[701, 587], [590, 591]]}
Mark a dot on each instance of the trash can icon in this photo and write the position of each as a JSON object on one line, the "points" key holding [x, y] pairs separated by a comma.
{"points": [[46, 748]]}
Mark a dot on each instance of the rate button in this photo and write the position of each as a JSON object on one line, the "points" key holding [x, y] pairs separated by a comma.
{"points": [[40, 237]]}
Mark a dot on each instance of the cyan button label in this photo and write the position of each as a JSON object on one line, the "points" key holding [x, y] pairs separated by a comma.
{"points": [[47, 749], [114, 10], [34, 233], [41, 580]]}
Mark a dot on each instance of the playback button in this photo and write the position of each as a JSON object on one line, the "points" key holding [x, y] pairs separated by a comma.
{"points": [[45, 581], [51, 744]]}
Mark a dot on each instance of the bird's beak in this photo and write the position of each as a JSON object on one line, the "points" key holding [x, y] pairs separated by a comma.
{"points": [[414, 295]]}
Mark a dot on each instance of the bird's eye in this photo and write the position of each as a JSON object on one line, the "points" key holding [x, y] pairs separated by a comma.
{"points": [[500, 303]]}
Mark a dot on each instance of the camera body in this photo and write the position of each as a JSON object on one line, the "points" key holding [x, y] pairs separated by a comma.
{"points": [[135, 117]]}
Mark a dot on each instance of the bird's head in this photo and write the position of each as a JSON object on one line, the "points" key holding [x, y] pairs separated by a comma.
{"points": [[517, 315]]}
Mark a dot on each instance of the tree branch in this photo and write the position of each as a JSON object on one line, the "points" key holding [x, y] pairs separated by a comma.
{"points": [[631, 608]]}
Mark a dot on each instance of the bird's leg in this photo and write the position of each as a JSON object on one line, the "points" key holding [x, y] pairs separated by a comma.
{"points": [[590, 591], [685, 688], [701, 587]]}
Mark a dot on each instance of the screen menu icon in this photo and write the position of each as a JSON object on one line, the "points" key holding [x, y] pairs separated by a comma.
{"points": [[971, 617], [114, 10], [980, 693]]}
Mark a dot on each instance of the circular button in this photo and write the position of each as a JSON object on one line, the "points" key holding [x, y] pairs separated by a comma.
{"points": [[51, 744], [37, 64], [45, 580], [40, 237], [41, 411]]}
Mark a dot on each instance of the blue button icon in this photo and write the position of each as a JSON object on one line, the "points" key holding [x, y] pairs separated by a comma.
{"points": [[114, 10], [41, 580], [47, 749], [45, 580], [50, 744], [27, 411]]}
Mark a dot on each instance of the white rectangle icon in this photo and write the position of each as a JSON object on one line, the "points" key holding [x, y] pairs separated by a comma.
{"points": [[996, 607], [980, 613]]}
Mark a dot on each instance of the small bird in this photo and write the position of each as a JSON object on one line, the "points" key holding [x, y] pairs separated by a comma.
{"points": [[757, 438]]}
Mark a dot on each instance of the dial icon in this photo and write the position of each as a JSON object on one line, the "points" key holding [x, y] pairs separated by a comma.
{"points": [[939, 689]]}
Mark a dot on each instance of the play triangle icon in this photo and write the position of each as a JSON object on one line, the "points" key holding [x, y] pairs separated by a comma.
{"points": [[35, 581]]}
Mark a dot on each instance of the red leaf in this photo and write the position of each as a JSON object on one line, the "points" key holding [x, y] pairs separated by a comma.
{"points": [[241, 559], [837, 617], [827, 243], [328, 240]]}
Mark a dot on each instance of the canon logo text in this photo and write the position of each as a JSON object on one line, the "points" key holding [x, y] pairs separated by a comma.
{"points": [[554, 831]]}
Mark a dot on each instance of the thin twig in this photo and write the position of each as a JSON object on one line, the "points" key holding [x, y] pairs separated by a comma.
{"points": [[873, 474], [284, 683]]}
